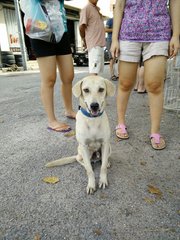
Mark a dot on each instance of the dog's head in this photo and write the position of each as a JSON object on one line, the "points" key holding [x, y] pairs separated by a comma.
{"points": [[92, 92]]}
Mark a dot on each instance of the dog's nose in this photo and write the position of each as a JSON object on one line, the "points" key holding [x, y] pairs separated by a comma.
{"points": [[94, 106]]}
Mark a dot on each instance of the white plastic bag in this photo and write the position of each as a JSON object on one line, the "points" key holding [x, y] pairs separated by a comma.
{"points": [[43, 20], [56, 19]]}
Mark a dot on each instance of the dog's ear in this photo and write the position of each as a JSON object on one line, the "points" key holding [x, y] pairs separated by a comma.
{"points": [[110, 88], [77, 89]]}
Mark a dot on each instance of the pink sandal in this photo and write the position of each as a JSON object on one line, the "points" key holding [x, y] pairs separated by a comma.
{"points": [[124, 133], [157, 141]]}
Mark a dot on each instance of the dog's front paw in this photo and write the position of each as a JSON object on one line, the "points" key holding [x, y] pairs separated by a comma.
{"points": [[103, 183], [91, 187]]}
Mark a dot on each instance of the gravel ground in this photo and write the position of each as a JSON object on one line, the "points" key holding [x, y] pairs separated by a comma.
{"points": [[129, 209]]}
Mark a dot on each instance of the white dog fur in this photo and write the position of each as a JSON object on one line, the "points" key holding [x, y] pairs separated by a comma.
{"points": [[92, 128]]}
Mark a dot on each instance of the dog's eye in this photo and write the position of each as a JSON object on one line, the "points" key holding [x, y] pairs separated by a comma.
{"points": [[101, 89], [86, 90]]}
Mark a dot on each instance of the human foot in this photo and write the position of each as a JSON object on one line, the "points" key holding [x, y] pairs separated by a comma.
{"points": [[157, 141], [59, 127], [121, 131], [70, 114]]}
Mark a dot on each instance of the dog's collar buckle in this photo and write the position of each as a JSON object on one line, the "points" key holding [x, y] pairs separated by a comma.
{"points": [[87, 114]]}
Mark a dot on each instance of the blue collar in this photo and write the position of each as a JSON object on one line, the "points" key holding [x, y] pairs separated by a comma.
{"points": [[87, 114]]}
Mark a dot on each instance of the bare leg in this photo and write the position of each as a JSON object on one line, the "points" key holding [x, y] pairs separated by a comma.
{"points": [[141, 87], [127, 77], [47, 66], [137, 80], [65, 66], [112, 69], [154, 76], [111, 63]]}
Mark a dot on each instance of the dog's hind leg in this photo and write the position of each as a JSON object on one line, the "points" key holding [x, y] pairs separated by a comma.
{"points": [[109, 163]]}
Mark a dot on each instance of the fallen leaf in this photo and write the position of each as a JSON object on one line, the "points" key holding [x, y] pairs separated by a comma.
{"points": [[178, 211], [154, 190], [143, 163], [37, 237], [149, 200], [97, 232], [70, 134], [51, 180]]}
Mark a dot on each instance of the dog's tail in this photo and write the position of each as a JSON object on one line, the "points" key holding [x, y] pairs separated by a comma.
{"points": [[61, 161]]}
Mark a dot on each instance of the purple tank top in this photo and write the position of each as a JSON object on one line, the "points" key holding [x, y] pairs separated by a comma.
{"points": [[145, 21]]}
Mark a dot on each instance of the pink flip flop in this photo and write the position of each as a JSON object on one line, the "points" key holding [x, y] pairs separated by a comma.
{"points": [[156, 143], [123, 131]]}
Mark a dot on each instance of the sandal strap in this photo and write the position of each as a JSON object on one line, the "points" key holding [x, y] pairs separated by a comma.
{"points": [[122, 127], [113, 78], [156, 137]]}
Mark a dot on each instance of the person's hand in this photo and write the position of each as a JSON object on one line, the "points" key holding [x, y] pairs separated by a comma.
{"points": [[115, 49], [84, 43], [174, 46]]}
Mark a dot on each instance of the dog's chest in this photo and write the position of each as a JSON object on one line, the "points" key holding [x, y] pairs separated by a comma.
{"points": [[92, 131]]}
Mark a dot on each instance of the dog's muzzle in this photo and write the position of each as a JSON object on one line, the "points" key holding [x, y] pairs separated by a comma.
{"points": [[94, 108]]}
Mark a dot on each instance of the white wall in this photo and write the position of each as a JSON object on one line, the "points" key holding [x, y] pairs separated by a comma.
{"points": [[4, 42]]}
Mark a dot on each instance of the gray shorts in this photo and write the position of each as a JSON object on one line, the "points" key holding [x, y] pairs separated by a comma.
{"points": [[132, 51]]}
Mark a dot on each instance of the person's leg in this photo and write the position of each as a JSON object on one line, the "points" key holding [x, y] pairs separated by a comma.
{"points": [[127, 77], [66, 70], [47, 66], [154, 76], [111, 61], [141, 87], [137, 79], [111, 67], [112, 70]]}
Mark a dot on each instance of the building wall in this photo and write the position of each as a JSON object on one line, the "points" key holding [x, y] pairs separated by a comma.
{"points": [[12, 29], [4, 41]]}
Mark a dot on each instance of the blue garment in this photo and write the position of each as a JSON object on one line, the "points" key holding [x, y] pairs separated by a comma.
{"points": [[109, 24], [63, 11]]}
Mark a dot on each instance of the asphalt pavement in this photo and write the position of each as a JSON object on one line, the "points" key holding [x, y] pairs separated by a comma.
{"points": [[142, 201]]}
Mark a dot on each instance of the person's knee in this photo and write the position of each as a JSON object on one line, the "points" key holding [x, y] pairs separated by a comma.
{"points": [[125, 84], [154, 87], [68, 78], [50, 81]]}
